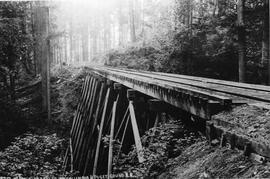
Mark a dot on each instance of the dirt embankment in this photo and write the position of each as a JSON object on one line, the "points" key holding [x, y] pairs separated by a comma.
{"points": [[204, 161], [201, 160], [251, 121]]}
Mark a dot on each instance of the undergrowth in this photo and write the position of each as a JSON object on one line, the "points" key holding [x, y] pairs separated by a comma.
{"points": [[160, 144], [66, 89], [32, 155]]}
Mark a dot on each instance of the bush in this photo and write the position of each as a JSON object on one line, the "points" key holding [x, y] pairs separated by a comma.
{"points": [[13, 122], [67, 83], [32, 155]]}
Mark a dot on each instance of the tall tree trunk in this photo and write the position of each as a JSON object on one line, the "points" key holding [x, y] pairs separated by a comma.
{"points": [[268, 44], [85, 43], [201, 9], [54, 55], [106, 23], [94, 45], [66, 49], [33, 36], [216, 5], [132, 21], [112, 40], [43, 31], [265, 39], [120, 21], [142, 22], [189, 13], [71, 50], [77, 47], [109, 37], [12, 86], [241, 40], [37, 41]]}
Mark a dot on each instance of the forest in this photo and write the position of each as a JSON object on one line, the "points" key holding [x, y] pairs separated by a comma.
{"points": [[219, 39]]}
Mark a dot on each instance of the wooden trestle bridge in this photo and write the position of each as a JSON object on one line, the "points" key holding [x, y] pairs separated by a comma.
{"points": [[113, 97]]}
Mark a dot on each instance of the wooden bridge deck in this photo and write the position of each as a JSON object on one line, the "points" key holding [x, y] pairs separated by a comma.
{"points": [[188, 92]]}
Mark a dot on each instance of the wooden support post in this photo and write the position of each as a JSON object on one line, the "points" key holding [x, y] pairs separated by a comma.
{"points": [[81, 132], [88, 128], [99, 103], [91, 137], [110, 159], [118, 88], [80, 112], [75, 120], [131, 94], [71, 155], [66, 159], [80, 123], [100, 130], [82, 144], [210, 134], [136, 134], [123, 137], [158, 107], [155, 125]]}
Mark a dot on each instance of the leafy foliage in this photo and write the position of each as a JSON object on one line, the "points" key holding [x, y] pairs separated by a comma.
{"points": [[206, 47], [16, 49], [32, 155], [160, 144], [16, 65], [12, 121]]}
